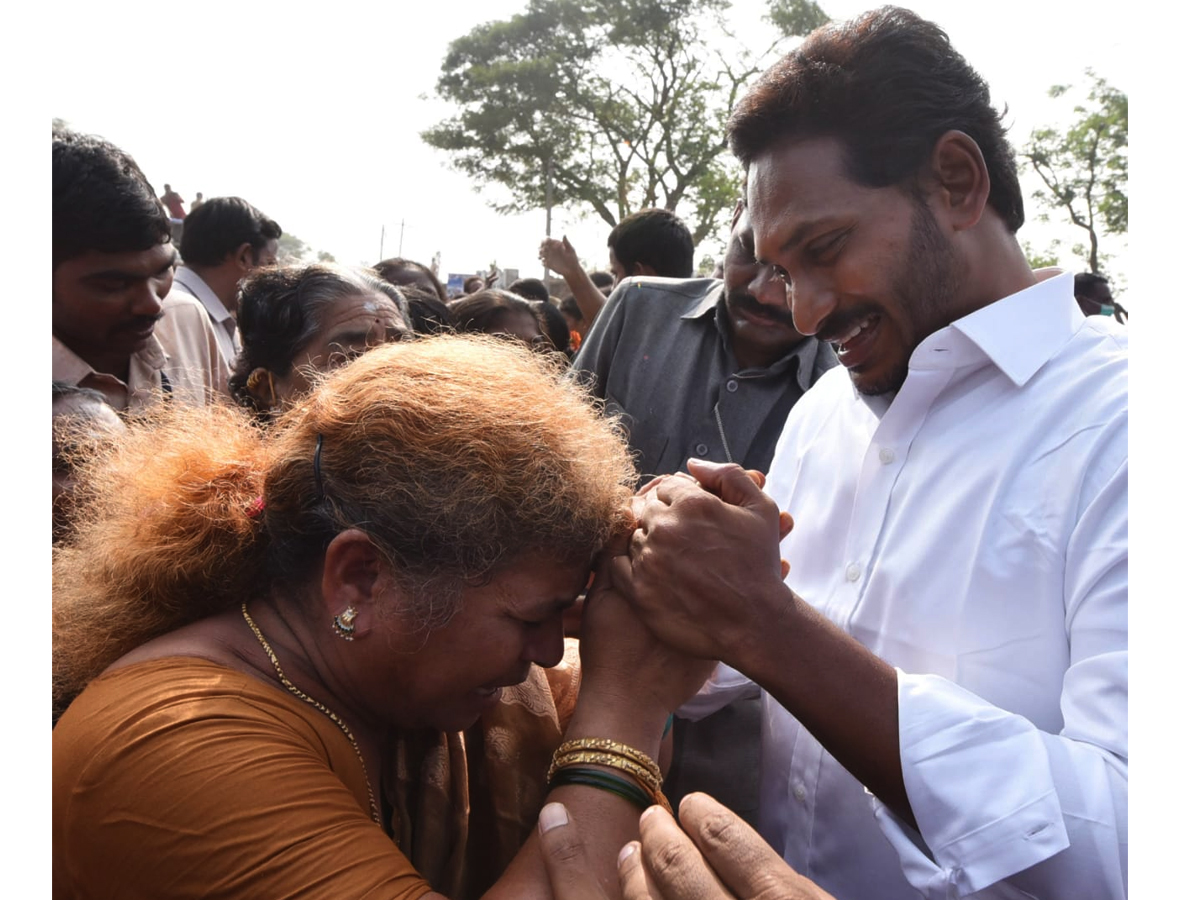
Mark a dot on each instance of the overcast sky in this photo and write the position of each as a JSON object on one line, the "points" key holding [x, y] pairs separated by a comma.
{"points": [[313, 113]]}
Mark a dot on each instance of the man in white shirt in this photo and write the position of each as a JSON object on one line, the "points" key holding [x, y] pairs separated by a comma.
{"points": [[944, 664], [224, 240]]}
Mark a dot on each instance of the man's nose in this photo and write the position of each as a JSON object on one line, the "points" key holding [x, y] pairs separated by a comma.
{"points": [[768, 289], [811, 300], [146, 300]]}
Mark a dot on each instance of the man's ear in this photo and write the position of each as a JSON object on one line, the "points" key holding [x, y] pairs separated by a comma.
{"points": [[959, 179], [352, 577], [245, 257], [642, 269]]}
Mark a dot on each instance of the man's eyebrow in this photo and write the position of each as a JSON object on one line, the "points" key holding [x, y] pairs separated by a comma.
{"points": [[799, 234], [115, 273]]}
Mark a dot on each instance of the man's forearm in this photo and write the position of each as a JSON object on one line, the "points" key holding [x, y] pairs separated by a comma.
{"points": [[837, 689]]}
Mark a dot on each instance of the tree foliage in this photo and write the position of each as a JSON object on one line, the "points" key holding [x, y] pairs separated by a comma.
{"points": [[617, 105], [1084, 169]]}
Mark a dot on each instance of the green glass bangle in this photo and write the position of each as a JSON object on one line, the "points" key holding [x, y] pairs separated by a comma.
{"points": [[670, 722], [614, 784]]}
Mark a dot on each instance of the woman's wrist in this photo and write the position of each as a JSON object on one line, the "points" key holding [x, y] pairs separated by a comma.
{"points": [[637, 723]]}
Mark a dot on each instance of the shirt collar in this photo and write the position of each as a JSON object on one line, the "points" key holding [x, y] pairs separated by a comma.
{"points": [[198, 288], [1019, 333], [69, 366]]}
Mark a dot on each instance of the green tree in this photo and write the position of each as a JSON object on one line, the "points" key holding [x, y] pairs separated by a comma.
{"points": [[292, 249], [611, 105], [1084, 169]]}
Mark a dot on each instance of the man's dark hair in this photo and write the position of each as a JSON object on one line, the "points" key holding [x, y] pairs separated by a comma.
{"points": [[218, 226], [429, 314], [1086, 282], [1085, 295], [102, 201], [656, 238], [602, 280], [887, 85], [531, 289], [570, 307], [405, 272], [554, 326]]}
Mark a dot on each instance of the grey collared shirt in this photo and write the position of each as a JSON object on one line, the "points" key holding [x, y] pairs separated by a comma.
{"points": [[661, 357]]}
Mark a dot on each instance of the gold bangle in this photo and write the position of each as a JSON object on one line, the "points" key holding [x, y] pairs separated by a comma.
{"points": [[593, 757], [610, 746]]}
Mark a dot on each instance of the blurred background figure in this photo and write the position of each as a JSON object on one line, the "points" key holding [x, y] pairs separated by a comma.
{"points": [[173, 202], [299, 321], [410, 273], [83, 423], [532, 289], [498, 312], [224, 240], [1094, 297], [199, 199]]}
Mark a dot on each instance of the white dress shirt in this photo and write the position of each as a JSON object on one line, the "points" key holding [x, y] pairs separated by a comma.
{"points": [[973, 534], [223, 322]]}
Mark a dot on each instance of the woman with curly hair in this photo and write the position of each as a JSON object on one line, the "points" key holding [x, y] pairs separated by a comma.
{"points": [[311, 659]]}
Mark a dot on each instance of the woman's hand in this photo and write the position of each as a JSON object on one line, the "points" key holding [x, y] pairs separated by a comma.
{"points": [[620, 655]]}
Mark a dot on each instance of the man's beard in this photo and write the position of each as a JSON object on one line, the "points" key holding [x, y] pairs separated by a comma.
{"points": [[925, 288]]}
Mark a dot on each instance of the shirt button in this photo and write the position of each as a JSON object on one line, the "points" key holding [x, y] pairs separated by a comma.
{"points": [[886, 455], [798, 792], [731, 385], [702, 449], [853, 571]]}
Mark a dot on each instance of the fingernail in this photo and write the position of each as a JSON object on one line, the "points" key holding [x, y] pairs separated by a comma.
{"points": [[650, 811], [626, 852], [553, 815]]}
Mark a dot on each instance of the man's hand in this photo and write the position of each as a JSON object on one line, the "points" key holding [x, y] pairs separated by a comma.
{"points": [[559, 256], [706, 548], [714, 856]]}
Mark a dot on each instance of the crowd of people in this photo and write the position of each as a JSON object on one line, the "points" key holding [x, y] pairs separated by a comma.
{"points": [[806, 577]]}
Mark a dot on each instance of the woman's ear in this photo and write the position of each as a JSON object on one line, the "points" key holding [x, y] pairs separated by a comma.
{"points": [[960, 179], [351, 583], [260, 384]]}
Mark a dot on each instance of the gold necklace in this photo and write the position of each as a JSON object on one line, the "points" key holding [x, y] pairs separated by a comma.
{"points": [[337, 720]]}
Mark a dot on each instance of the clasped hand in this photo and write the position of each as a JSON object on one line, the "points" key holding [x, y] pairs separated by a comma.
{"points": [[706, 548]]}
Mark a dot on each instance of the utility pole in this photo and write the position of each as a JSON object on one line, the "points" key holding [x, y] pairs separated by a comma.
{"points": [[382, 229], [548, 171], [400, 251]]}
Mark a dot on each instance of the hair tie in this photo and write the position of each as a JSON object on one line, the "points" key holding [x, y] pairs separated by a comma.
{"points": [[255, 507], [317, 470]]}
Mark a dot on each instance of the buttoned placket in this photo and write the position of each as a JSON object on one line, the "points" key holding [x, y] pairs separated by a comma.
{"points": [[882, 465]]}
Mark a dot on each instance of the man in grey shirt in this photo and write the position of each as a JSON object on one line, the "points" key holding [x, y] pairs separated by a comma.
{"points": [[698, 367]]}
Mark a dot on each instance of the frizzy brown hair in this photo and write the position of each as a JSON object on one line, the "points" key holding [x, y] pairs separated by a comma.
{"points": [[455, 454]]}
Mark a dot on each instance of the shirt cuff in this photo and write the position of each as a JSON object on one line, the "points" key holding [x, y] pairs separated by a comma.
{"points": [[980, 785], [723, 687]]}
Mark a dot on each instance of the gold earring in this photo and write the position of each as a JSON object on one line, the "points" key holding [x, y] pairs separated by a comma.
{"points": [[255, 379], [343, 623]]}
